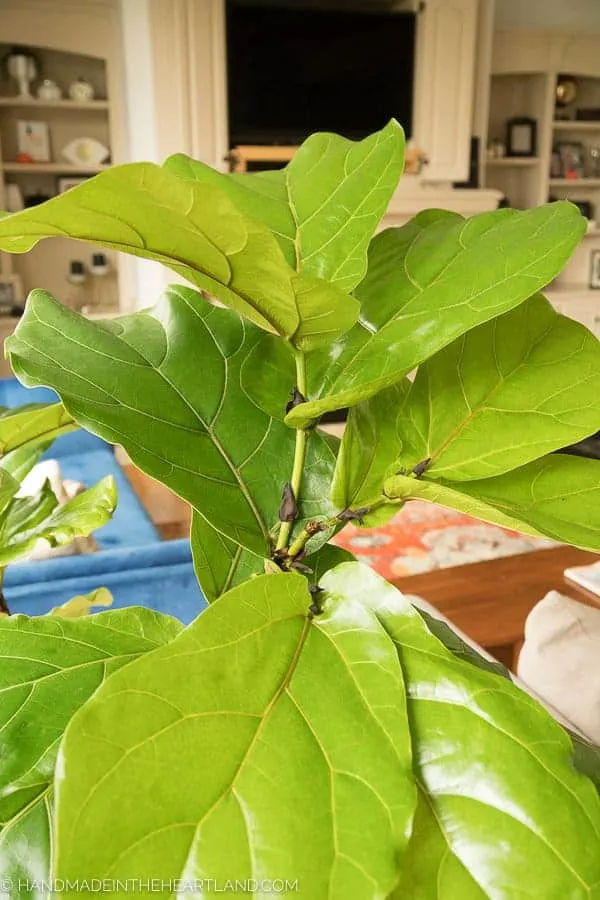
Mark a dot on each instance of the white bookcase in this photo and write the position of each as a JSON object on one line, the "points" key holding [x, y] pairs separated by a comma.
{"points": [[48, 264], [521, 81]]}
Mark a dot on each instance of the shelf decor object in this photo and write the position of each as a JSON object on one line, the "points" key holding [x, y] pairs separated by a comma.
{"points": [[81, 91], [49, 90], [33, 141], [85, 151], [521, 136], [572, 159], [23, 67], [566, 90]]}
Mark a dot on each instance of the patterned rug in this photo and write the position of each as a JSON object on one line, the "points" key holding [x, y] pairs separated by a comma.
{"points": [[423, 536]]}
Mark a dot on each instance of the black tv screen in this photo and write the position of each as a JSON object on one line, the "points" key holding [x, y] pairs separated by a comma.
{"points": [[293, 70]]}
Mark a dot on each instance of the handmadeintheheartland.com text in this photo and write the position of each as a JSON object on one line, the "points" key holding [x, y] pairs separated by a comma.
{"points": [[264, 887]]}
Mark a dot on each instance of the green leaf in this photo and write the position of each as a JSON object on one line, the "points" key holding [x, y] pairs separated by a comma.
{"points": [[25, 513], [8, 488], [298, 753], [50, 667], [586, 756], [325, 205], [192, 428], [325, 312], [19, 463], [431, 281], [487, 759], [555, 496], [32, 519], [33, 423], [26, 851], [194, 229], [502, 395], [370, 445], [82, 604], [219, 563]]}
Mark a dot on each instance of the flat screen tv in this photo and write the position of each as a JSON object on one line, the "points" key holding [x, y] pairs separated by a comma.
{"points": [[293, 70]]}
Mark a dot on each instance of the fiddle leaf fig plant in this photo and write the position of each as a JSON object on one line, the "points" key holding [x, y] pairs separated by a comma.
{"points": [[310, 732]]}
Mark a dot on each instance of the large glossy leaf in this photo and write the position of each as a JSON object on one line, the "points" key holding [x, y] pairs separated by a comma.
{"points": [[586, 756], [369, 447], [194, 229], [557, 496], [502, 395], [33, 423], [428, 283], [502, 811], [298, 752], [325, 205], [32, 519], [166, 385], [49, 668]]}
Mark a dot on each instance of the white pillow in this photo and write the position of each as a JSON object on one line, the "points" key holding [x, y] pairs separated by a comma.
{"points": [[560, 659]]}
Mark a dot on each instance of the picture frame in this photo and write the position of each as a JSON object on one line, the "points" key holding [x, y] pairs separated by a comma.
{"points": [[33, 140], [521, 136], [11, 293], [595, 270], [572, 159], [66, 183]]}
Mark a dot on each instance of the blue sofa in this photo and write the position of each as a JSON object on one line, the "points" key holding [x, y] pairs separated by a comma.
{"points": [[132, 562]]}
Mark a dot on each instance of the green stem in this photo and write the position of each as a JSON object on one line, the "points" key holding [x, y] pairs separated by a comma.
{"points": [[3, 604], [299, 453], [302, 538]]}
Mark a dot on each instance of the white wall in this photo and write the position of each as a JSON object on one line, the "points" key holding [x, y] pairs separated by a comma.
{"points": [[138, 70], [141, 134], [580, 16]]}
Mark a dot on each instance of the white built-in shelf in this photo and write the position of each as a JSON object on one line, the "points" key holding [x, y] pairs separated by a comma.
{"points": [[34, 103], [575, 182], [50, 168], [513, 161], [575, 125]]}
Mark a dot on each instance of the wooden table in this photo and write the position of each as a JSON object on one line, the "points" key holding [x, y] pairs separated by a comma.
{"points": [[490, 600]]}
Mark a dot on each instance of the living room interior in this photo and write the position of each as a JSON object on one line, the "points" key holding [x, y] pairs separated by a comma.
{"points": [[300, 449], [500, 102]]}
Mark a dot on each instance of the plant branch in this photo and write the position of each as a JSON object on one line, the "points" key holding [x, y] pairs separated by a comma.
{"points": [[3, 604], [299, 454], [315, 526]]}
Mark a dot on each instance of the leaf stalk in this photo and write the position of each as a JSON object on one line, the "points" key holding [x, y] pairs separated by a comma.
{"points": [[285, 531]]}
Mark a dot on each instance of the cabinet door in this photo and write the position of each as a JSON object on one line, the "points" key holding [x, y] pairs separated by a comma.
{"points": [[443, 97]]}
